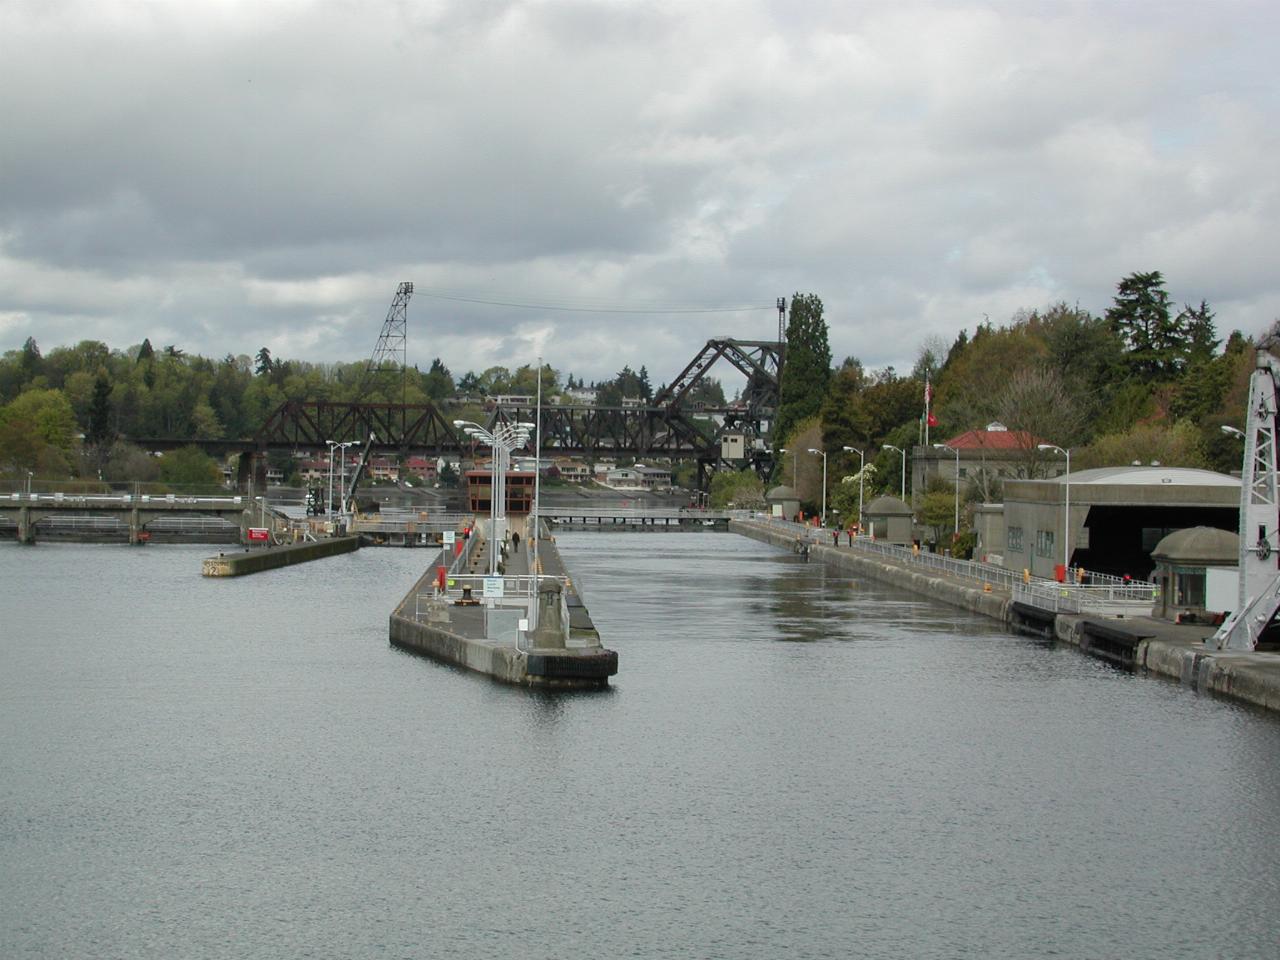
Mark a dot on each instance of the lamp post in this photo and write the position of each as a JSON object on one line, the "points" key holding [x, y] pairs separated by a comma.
{"points": [[328, 505], [823, 455], [502, 440], [1066, 505], [956, 524], [342, 484], [1232, 432], [861, 465], [890, 446]]}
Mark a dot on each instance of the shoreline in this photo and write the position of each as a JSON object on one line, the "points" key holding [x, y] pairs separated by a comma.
{"points": [[1170, 650]]}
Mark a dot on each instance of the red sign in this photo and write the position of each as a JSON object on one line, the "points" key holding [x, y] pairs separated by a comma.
{"points": [[259, 533]]}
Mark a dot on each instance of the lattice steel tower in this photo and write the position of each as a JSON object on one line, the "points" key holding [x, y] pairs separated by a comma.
{"points": [[392, 350]]}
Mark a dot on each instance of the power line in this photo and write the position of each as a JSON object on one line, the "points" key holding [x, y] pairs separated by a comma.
{"points": [[567, 309]]}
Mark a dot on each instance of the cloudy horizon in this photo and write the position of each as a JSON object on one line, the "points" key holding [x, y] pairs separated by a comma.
{"points": [[225, 176]]}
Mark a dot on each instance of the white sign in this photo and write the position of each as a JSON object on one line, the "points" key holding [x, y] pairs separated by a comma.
{"points": [[493, 588], [448, 538]]}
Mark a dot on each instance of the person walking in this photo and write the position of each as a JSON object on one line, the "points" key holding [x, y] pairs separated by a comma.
{"points": [[515, 542]]}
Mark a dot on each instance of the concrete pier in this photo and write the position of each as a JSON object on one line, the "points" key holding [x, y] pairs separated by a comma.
{"points": [[563, 651], [258, 559], [1166, 649]]}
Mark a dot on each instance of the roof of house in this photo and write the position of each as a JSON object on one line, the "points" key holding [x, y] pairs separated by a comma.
{"points": [[994, 436]]}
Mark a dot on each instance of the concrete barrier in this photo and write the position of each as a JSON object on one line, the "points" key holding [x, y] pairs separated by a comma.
{"points": [[271, 558]]}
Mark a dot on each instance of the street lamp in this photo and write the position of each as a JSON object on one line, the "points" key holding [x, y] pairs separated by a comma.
{"points": [[823, 454], [328, 506], [1066, 505], [342, 484], [956, 525], [861, 464], [503, 439], [890, 446], [1232, 431]]}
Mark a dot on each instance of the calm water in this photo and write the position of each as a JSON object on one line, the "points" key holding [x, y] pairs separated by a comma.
{"points": [[790, 764]]}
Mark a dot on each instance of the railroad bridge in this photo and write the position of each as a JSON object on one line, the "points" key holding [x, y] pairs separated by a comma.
{"points": [[671, 426]]}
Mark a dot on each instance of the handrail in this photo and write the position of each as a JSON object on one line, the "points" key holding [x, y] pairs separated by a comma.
{"points": [[1101, 592]]}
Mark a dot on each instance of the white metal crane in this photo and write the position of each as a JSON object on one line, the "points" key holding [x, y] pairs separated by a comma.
{"points": [[1259, 597]]}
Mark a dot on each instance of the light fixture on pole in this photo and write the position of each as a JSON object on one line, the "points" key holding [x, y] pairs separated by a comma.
{"points": [[1066, 505], [328, 504], [1232, 432], [890, 446], [502, 440], [862, 462], [956, 525], [823, 455], [342, 483]]}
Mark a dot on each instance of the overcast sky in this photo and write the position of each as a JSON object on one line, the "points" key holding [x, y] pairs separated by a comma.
{"points": [[224, 175]]}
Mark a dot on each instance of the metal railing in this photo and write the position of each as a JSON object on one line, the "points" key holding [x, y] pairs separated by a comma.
{"points": [[119, 500], [1132, 599], [1101, 593], [640, 513]]}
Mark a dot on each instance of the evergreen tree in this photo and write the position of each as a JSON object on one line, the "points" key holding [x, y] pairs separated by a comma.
{"points": [[807, 369], [1140, 317], [1196, 326], [31, 362], [146, 351], [265, 364], [99, 433]]}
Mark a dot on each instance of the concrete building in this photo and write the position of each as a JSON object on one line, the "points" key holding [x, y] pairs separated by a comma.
{"points": [[783, 502], [987, 456], [1198, 572], [888, 519], [1118, 515]]}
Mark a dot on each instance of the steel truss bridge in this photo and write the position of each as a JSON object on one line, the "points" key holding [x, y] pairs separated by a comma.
{"points": [[672, 426]]}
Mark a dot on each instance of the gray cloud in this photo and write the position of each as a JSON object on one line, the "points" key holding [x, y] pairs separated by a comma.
{"points": [[225, 177]]}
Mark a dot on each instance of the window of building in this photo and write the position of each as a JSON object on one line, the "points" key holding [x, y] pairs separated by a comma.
{"points": [[964, 472], [1044, 543], [1013, 539]]}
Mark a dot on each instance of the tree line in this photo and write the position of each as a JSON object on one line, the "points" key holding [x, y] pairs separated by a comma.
{"points": [[76, 411], [1147, 382]]}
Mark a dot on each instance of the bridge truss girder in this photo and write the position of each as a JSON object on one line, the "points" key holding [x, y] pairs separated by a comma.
{"points": [[397, 426]]}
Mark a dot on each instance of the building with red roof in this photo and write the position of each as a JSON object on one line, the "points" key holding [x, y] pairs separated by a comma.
{"points": [[985, 456]]}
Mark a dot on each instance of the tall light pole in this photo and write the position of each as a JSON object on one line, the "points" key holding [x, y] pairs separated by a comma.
{"points": [[537, 474], [823, 455], [342, 484], [502, 440], [1066, 505], [890, 446], [956, 524], [328, 506], [862, 461]]}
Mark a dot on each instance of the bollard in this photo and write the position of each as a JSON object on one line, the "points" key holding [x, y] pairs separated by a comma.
{"points": [[551, 630]]}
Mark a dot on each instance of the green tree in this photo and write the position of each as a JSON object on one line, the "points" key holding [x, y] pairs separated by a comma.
{"points": [[265, 364], [807, 370], [189, 466], [743, 489], [1140, 317], [100, 432], [438, 381]]}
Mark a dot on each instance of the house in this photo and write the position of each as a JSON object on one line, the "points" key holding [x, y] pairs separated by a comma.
{"points": [[384, 469], [420, 467], [984, 456], [573, 471]]}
